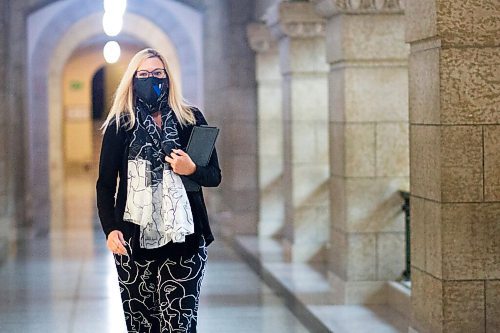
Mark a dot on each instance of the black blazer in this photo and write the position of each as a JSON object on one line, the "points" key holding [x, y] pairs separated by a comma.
{"points": [[113, 166]]}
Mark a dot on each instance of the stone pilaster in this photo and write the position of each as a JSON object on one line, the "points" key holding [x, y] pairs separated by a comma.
{"points": [[19, 203], [270, 130], [5, 223], [368, 114], [230, 99], [455, 156], [300, 34]]}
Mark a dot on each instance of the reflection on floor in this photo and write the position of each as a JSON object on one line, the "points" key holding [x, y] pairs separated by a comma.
{"points": [[67, 282], [306, 287]]}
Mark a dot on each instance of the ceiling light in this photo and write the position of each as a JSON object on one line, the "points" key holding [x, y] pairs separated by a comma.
{"points": [[115, 6], [112, 24], [111, 52]]}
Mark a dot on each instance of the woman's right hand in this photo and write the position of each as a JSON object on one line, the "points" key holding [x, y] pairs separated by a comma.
{"points": [[116, 243]]}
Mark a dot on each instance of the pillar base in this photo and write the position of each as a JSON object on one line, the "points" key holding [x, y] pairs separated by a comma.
{"points": [[270, 228], [303, 252], [357, 292]]}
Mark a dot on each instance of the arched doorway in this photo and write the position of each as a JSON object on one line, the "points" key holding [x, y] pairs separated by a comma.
{"points": [[98, 94]]}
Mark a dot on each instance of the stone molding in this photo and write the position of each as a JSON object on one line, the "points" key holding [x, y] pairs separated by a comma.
{"points": [[294, 19], [329, 8], [259, 37]]}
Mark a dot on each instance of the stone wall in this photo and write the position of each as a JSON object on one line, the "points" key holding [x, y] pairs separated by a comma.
{"points": [[230, 100], [214, 81], [299, 32], [261, 7], [270, 130], [369, 154], [12, 144], [4, 193], [454, 145], [18, 221]]}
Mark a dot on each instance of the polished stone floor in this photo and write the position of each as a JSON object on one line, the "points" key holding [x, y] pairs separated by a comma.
{"points": [[67, 283], [306, 286]]}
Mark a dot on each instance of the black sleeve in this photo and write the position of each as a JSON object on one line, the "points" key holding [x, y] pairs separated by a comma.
{"points": [[210, 175], [109, 165]]}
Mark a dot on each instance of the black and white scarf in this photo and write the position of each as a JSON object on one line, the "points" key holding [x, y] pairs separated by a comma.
{"points": [[156, 198]]}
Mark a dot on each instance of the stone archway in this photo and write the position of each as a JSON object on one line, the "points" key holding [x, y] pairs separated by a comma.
{"points": [[45, 64]]}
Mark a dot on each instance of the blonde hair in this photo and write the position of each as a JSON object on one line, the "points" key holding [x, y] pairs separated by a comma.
{"points": [[123, 102]]}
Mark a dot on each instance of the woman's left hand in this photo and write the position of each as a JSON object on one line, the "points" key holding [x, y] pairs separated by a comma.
{"points": [[180, 162]]}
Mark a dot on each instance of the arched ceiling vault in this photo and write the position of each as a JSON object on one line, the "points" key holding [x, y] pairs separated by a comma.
{"points": [[195, 4]]}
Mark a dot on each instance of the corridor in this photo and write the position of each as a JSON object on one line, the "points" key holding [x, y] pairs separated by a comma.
{"points": [[358, 147], [67, 283]]}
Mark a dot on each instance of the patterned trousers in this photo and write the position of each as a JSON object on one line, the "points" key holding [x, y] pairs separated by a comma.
{"points": [[161, 296]]}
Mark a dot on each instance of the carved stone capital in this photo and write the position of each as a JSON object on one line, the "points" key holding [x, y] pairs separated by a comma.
{"points": [[259, 37], [294, 19], [329, 8]]}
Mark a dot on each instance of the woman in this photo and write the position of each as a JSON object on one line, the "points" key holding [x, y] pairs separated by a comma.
{"points": [[157, 231]]}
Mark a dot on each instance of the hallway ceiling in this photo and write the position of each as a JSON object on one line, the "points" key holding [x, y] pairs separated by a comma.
{"points": [[100, 40], [196, 4]]}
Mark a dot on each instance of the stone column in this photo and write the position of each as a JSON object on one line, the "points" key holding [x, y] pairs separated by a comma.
{"points": [[455, 160], [14, 221], [230, 99], [369, 146], [5, 223], [300, 35], [270, 130], [20, 193]]}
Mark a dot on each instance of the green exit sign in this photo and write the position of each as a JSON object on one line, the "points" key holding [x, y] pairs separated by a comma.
{"points": [[76, 85]]}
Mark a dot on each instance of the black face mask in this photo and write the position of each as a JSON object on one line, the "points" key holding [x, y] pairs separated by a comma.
{"points": [[151, 90]]}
